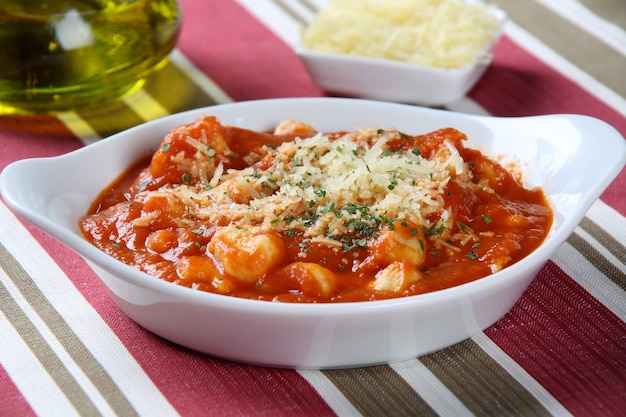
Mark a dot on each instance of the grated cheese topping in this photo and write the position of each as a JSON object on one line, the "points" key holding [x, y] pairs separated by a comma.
{"points": [[435, 33], [327, 187]]}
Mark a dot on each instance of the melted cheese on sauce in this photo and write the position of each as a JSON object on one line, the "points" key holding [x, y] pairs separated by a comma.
{"points": [[325, 187], [436, 33]]}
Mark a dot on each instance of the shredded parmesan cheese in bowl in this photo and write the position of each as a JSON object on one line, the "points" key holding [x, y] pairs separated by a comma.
{"points": [[435, 33]]}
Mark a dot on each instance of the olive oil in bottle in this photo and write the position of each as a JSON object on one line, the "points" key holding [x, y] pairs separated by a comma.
{"points": [[66, 54]]}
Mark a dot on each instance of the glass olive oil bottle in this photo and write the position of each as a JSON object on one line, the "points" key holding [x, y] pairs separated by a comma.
{"points": [[66, 54]]}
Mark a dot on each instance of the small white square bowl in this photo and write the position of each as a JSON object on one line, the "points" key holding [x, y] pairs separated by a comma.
{"points": [[388, 80]]}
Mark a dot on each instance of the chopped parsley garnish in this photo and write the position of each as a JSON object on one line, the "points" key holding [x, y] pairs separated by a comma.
{"points": [[435, 229]]}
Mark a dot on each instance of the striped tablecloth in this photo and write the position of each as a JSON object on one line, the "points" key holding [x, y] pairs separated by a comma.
{"points": [[66, 349]]}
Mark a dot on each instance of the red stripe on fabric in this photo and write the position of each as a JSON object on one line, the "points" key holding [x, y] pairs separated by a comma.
{"points": [[193, 383], [254, 64], [12, 403], [33, 136], [520, 84], [569, 342]]}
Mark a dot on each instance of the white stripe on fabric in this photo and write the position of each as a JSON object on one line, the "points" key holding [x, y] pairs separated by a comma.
{"points": [[516, 371], [329, 392], [593, 281], [87, 324], [579, 15], [34, 383], [566, 68], [430, 388]]}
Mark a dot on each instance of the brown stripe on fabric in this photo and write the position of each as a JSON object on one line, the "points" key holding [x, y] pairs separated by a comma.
{"points": [[287, 9], [613, 11], [574, 44], [597, 259], [175, 91], [379, 391], [480, 383], [309, 5], [67, 338]]}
